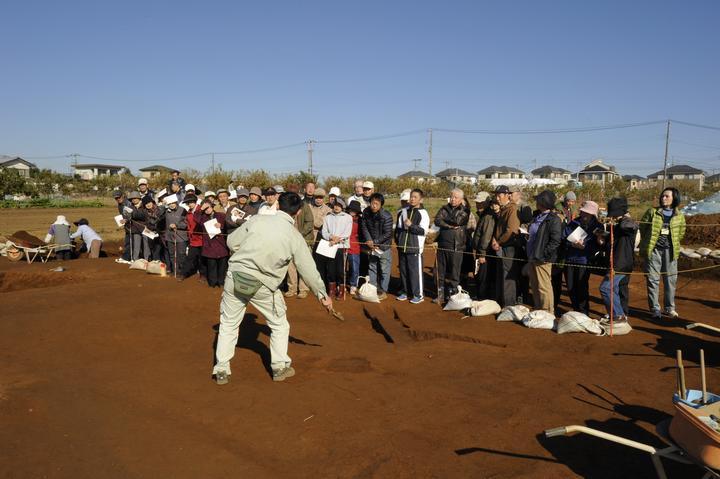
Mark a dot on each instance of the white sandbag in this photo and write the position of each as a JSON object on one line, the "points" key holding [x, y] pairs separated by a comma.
{"points": [[459, 301], [619, 328], [691, 254], [539, 319], [367, 292], [140, 264], [577, 322], [157, 267], [486, 307], [703, 251], [513, 313]]}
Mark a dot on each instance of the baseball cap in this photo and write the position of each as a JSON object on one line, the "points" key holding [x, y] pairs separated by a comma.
{"points": [[222, 190], [319, 192], [190, 199], [142, 181], [117, 194], [334, 191], [279, 189], [368, 185], [405, 195], [209, 193], [270, 191], [189, 187], [502, 189], [481, 196]]}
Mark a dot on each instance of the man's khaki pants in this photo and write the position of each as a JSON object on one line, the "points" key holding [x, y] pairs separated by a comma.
{"points": [[541, 284], [295, 282], [232, 309], [94, 250]]}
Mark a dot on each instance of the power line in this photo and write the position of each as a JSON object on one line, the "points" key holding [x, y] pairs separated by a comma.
{"points": [[373, 138], [697, 125], [551, 131]]}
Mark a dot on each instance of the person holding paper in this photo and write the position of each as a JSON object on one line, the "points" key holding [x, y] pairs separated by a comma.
{"points": [[194, 262], [580, 245], [152, 229], [330, 253], [135, 219], [230, 209], [122, 204], [176, 238], [214, 248], [262, 250]]}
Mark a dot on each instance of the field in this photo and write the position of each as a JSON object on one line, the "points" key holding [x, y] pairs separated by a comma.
{"points": [[105, 372]]}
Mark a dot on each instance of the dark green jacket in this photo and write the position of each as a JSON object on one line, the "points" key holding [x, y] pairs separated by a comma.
{"points": [[650, 226]]}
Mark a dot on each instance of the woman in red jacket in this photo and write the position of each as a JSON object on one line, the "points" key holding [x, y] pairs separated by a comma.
{"points": [[214, 249]]}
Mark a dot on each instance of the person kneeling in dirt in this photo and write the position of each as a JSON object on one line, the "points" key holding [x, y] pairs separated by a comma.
{"points": [[92, 240], [262, 250], [59, 233]]}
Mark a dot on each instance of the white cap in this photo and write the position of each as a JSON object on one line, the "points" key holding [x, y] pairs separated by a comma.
{"points": [[405, 195], [189, 187], [209, 193], [334, 191], [142, 181], [368, 184]]}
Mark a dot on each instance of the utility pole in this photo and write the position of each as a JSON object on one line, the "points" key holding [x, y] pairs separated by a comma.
{"points": [[667, 144], [415, 162], [430, 151], [73, 165], [212, 162], [310, 156]]}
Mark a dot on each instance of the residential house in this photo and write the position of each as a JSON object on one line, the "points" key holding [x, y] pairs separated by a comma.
{"points": [[23, 167], [91, 171], [679, 173], [713, 181], [500, 173], [555, 173], [419, 176], [456, 175], [597, 171], [635, 182], [155, 171]]}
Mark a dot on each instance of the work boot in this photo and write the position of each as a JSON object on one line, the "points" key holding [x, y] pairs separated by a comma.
{"points": [[333, 290], [283, 374], [340, 292]]}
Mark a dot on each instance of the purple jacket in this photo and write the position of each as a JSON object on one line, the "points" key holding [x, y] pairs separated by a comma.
{"points": [[215, 247]]}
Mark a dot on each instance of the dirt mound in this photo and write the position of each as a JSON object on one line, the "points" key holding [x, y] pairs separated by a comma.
{"points": [[23, 238], [708, 236], [20, 280]]}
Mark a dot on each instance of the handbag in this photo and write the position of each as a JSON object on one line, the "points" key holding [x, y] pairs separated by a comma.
{"points": [[245, 285]]}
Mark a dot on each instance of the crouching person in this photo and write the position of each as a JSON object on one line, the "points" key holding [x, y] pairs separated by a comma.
{"points": [[261, 250], [59, 233], [92, 240]]}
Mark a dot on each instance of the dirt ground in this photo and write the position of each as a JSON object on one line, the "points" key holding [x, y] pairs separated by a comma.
{"points": [[106, 372]]}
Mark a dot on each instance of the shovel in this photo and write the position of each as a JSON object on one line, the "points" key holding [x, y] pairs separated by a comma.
{"points": [[336, 314]]}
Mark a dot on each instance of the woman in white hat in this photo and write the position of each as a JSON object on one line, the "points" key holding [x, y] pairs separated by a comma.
{"points": [[59, 233]]}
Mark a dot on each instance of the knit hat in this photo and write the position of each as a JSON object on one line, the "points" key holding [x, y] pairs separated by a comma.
{"points": [[255, 191], [545, 200], [354, 207], [570, 195], [590, 207], [617, 207]]}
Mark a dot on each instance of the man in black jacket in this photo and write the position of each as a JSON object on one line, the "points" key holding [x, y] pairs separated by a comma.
{"points": [[545, 235], [376, 227], [451, 219]]}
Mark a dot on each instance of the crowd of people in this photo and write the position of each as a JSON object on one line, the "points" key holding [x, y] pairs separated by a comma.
{"points": [[506, 250]]}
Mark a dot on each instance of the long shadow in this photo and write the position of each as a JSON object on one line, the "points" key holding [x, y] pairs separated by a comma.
{"points": [[470, 450], [377, 326], [705, 302], [669, 341]]}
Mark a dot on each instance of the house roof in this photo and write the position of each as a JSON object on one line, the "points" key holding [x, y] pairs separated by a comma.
{"points": [[633, 177], [453, 172], [600, 168], [678, 170], [416, 174], [499, 169], [712, 178], [549, 169], [85, 166], [15, 160], [156, 168]]}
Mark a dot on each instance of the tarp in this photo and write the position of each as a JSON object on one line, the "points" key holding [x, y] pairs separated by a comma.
{"points": [[708, 206]]}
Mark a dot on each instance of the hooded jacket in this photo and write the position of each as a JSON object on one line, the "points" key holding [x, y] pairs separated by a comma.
{"points": [[340, 225]]}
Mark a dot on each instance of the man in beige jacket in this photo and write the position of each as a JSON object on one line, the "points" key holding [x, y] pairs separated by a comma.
{"points": [[262, 250]]}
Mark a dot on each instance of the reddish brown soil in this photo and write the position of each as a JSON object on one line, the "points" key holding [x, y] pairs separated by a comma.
{"points": [[107, 374], [708, 236]]}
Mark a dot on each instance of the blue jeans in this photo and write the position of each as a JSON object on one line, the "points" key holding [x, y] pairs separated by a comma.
{"points": [[605, 293], [354, 262], [384, 262]]}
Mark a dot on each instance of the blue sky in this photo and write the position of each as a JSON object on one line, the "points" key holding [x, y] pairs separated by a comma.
{"points": [[146, 80]]}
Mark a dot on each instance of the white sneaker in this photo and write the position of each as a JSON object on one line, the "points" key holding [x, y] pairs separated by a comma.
{"points": [[672, 313]]}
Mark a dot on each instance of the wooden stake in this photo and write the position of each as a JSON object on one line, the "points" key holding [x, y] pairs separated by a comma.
{"points": [[702, 374], [681, 371]]}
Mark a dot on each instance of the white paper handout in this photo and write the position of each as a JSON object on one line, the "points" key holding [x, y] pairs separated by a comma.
{"points": [[578, 235], [211, 228], [160, 194], [184, 206], [233, 194], [324, 248], [377, 252], [150, 234], [118, 219], [127, 209], [237, 215], [170, 199]]}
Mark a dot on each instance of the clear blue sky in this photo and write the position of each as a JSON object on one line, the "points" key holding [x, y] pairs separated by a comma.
{"points": [[141, 80]]}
